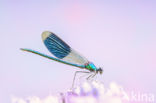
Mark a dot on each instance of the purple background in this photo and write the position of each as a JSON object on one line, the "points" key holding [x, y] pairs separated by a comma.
{"points": [[119, 36]]}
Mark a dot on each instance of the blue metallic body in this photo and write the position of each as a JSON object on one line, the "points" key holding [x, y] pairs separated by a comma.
{"points": [[52, 58]]}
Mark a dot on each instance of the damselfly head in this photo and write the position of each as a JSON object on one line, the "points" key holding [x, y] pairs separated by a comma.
{"points": [[100, 70]]}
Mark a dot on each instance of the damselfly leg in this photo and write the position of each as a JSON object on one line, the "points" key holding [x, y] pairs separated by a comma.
{"points": [[76, 74], [91, 76]]}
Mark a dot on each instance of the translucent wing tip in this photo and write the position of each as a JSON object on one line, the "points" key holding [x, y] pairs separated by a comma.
{"points": [[46, 34]]}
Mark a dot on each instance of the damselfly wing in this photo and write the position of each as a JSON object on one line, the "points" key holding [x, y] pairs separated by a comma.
{"points": [[62, 50]]}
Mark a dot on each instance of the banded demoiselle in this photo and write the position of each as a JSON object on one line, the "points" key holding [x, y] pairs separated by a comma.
{"points": [[65, 54]]}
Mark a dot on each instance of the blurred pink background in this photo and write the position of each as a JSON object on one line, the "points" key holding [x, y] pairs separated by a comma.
{"points": [[119, 36]]}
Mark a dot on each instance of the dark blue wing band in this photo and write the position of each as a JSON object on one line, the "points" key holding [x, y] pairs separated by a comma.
{"points": [[57, 46]]}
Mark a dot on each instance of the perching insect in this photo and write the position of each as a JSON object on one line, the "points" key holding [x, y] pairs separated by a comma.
{"points": [[65, 54]]}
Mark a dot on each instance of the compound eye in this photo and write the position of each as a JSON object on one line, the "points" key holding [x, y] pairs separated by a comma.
{"points": [[100, 70]]}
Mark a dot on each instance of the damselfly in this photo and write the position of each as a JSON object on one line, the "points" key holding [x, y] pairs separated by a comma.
{"points": [[65, 54]]}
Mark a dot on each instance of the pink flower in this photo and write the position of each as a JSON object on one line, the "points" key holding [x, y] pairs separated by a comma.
{"points": [[87, 92], [95, 92]]}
